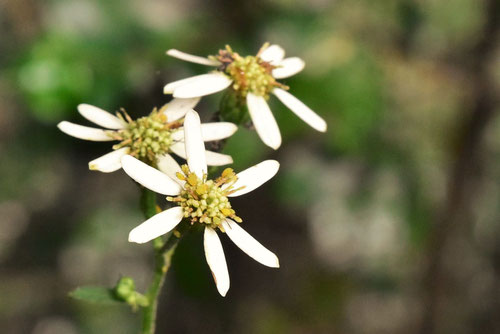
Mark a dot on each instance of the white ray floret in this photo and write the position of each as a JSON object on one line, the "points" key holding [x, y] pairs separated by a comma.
{"points": [[84, 132], [211, 131], [202, 85], [217, 159], [193, 59], [156, 226], [253, 177], [101, 117], [249, 245], [172, 86], [264, 121], [273, 54], [300, 109], [109, 162], [212, 158], [170, 167], [217, 131], [216, 260], [288, 67], [177, 108], [149, 177], [195, 149]]}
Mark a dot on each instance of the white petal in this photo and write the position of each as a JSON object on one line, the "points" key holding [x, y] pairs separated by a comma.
{"points": [[101, 117], [216, 260], [157, 225], [212, 158], [264, 121], [273, 54], [249, 245], [84, 132], [109, 162], [288, 67], [195, 149], [149, 177], [253, 177], [170, 87], [177, 135], [217, 130], [177, 108], [217, 159], [210, 131], [168, 166], [179, 148], [202, 85], [300, 109], [191, 58]]}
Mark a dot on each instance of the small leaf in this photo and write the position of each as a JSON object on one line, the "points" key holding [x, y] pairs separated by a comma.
{"points": [[96, 294]]}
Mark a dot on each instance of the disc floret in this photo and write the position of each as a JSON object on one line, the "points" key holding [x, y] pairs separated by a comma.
{"points": [[147, 137], [205, 201], [249, 74]]}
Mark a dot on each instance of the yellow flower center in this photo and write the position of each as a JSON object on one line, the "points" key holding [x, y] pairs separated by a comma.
{"points": [[205, 201], [147, 137], [249, 74]]}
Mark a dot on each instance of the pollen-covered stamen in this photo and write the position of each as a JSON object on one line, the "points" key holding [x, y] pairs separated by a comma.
{"points": [[249, 74], [147, 137], [205, 201]]}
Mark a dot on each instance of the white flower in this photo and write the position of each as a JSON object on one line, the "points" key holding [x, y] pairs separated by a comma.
{"points": [[252, 78], [149, 138], [202, 201]]}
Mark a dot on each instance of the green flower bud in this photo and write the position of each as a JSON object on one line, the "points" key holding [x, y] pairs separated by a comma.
{"points": [[125, 287]]}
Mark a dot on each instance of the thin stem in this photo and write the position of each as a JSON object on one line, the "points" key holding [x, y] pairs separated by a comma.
{"points": [[163, 258], [148, 203]]}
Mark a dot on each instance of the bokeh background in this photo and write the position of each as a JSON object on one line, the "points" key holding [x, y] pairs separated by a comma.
{"points": [[388, 223]]}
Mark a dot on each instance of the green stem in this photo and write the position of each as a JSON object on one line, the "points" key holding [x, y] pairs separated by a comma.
{"points": [[163, 258]]}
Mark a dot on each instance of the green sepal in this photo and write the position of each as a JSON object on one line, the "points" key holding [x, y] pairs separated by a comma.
{"points": [[233, 108]]}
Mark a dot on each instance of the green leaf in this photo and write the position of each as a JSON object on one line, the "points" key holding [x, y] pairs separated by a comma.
{"points": [[96, 294]]}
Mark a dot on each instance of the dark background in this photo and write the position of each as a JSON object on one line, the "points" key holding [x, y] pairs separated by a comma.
{"points": [[388, 223]]}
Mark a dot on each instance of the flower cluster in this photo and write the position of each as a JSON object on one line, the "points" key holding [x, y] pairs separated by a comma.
{"points": [[145, 146]]}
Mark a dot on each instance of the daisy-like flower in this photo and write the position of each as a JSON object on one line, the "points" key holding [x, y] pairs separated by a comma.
{"points": [[252, 79], [150, 139], [202, 201]]}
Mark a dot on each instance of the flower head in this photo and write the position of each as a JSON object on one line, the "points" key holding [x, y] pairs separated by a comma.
{"points": [[206, 201], [202, 201], [150, 138], [252, 79]]}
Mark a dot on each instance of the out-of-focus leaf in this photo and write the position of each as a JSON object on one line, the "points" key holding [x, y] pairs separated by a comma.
{"points": [[95, 294]]}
